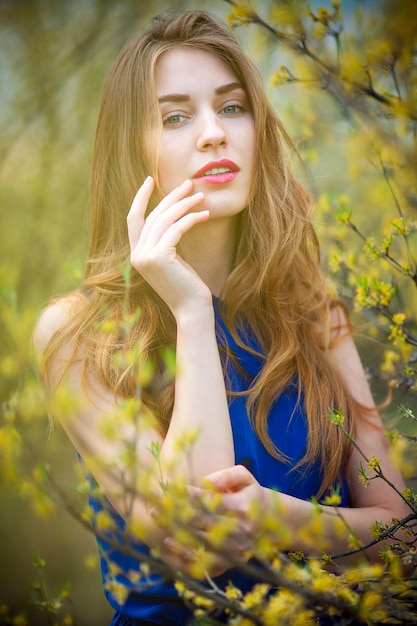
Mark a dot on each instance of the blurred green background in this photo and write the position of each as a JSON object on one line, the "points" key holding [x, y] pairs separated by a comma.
{"points": [[55, 55]]}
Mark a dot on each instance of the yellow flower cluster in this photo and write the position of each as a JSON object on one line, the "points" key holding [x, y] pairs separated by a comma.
{"points": [[240, 15], [254, 598], [403, 226], [374, 463], [117, 590], [371, 607], [280, 77], [286, 607], [397, 335], [378, 293], [391, 358]]}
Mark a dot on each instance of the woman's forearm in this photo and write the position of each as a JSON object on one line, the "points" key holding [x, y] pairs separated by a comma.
{"points": [[200, 404], [339, 531]]}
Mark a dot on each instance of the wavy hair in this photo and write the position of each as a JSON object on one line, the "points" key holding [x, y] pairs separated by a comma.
{"points": [[276, 286]]}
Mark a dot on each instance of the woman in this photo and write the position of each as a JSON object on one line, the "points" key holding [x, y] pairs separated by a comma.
{"points": [[225, 270]]}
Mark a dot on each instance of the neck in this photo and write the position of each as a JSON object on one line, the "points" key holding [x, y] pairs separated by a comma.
{"points": [[209, 249]]}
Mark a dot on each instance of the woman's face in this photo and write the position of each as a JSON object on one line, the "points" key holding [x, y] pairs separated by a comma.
{"points": [[208, 132]]}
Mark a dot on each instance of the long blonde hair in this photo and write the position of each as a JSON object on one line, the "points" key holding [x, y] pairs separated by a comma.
{"points": [[276, 287]]}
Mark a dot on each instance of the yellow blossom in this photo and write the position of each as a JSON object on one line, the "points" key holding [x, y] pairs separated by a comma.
{"points": [[398, 318], [186, 440], [378, 52], [323, 582], [203, 602], [386, 291], [320, 30], [323, 14], [344, 214], [365, 573], [390, 359], [91, 561], [401, 226], [280, 77], [221, 530], [255, 596], [42, 505], [88, 515], [396, 335], [107, 326], [104, 521], [117, 590], [373, 462], [409, 494], [240, 16], [333, 499], [180, 587], [233, 593], [352, 66], [400, 456], [145, 569], [354, 543], [113, 568], [288, 605], [372, 607]]}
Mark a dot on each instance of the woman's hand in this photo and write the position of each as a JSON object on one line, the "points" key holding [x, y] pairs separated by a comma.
{"points": [[153, 241], [239, 496]]}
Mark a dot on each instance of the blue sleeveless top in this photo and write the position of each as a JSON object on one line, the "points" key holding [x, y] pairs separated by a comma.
{"points": [[153, 599]]}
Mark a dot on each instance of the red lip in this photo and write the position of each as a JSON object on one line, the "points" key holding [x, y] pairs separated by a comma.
{"points": [[215, 164]]}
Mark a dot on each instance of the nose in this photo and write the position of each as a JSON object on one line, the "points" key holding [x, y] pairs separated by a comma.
{"points": [[211, 132]]}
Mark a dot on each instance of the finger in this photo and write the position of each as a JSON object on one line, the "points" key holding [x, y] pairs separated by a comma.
{"points": [[229, 479], [183, 557], [152, 256], [205, 501], [173, 560], [202, 522], [172, 236], [136, 216], [174, 196], [233, 551], [156, 226], [181, 551], [233, 503]]}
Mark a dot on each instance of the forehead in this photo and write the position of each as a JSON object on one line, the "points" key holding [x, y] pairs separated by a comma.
{"points": [[189, 71]]}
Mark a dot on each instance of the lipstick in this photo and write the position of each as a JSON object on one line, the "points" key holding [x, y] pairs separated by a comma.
{"points": [[217, 172]]}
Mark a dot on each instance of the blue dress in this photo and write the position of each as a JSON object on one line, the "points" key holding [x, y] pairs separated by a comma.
{"points": [[154, 600]]}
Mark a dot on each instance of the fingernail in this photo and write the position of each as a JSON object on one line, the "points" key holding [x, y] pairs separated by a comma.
{"points": [[169, 542], [154, 513], [147, 180]]}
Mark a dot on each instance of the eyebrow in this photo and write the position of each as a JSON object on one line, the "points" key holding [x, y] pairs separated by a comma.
{"points": [[219, 91]]}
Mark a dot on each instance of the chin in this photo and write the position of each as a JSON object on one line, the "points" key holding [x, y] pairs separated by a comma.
{"points": [[223, 207]]}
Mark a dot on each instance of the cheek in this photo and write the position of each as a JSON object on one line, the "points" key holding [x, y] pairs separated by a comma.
{"points": [[253, 145], [169, 166], [165, 172]]}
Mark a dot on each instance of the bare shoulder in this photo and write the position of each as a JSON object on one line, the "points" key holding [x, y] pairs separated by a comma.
{"points": [[346, 357], [54, 317]]}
